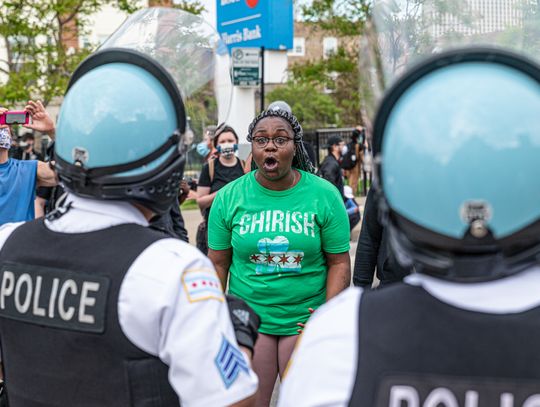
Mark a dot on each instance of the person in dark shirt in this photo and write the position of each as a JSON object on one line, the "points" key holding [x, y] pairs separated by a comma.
{"points": [[373, 251], [215, 174], [330, 169]]}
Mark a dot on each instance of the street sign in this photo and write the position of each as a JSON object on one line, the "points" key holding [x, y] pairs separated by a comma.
{"points": [[256, 23], [246, 67]]}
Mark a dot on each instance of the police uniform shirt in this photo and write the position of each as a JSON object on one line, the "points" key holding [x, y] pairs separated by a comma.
{"points": [[322, 370], [161, 315]]}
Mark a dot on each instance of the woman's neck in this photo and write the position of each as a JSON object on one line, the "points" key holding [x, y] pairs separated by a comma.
{"points": [[228, 162], [286, 182]]}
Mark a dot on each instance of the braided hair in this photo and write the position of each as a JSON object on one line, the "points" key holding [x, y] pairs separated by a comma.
{"points": [[301, 159]]}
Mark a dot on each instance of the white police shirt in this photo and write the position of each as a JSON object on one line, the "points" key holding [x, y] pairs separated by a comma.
{"points": [[161, 314], [323, 366]]}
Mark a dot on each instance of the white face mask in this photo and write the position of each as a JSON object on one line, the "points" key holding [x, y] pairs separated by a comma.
{"points": [[227, 149], [344, 150], [5, 138]]}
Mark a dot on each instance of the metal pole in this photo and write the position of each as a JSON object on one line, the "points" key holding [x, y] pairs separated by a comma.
{"points": [[262, 79]]}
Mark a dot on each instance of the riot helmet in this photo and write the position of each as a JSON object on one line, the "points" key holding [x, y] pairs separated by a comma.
{"points": [[456, 137], [121, 127]]}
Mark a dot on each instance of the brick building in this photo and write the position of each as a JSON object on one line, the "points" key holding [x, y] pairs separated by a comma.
{"points": [[312, 43]]}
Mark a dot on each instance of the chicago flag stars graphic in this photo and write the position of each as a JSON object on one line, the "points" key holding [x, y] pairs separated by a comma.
{"points": [[275, 257]]}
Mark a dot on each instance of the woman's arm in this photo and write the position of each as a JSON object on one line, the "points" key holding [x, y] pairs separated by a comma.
{"points": [[339, 273], [222, 261], [205, 198]]}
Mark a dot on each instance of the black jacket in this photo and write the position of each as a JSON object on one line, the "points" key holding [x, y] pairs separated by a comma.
{"points": [[373, 250], [330, 170]]}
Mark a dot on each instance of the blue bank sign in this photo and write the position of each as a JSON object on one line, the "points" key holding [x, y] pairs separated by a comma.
{"points": [[256, 23]]}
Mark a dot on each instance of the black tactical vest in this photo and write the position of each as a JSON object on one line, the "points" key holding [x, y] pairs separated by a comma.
{"points": [[62, 344], [416, 351]]}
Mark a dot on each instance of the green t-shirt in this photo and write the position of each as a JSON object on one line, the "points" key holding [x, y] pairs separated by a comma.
{"points": [[278, 240]]}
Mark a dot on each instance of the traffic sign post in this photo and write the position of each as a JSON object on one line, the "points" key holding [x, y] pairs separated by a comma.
{"points": [[246, 67]]}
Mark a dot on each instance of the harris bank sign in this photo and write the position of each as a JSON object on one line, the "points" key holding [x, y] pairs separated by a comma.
{"points": [[256, 23]]}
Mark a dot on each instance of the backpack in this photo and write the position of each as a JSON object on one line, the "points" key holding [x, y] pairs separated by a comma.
{"points": [[349, 160]]}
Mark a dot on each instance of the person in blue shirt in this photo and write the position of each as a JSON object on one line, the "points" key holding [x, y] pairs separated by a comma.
{"points": [[18, 179]]}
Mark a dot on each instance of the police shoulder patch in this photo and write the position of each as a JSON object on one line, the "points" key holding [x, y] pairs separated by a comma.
{"points": [[202, 284], [230, 362]]}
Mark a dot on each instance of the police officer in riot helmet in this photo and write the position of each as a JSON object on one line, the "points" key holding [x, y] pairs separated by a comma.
{"points": [[97, 309], [464, 330]]}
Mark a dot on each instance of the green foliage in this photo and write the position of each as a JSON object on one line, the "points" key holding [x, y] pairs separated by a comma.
{"points": [[338, 74], [341, 17], [191, 6], [38, 63], [313, 109]]}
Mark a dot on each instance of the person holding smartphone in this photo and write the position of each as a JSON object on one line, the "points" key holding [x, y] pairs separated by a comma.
{"points": [[18, 178]]}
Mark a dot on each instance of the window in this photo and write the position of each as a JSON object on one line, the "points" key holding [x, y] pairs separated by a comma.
{"points": [[330, 46], [19, 46], [299, 47]]}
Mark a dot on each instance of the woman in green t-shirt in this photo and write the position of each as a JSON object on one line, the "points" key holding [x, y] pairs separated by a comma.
{"points": [[281, 236]]}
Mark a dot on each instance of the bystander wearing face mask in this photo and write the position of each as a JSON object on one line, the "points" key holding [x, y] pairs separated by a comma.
{"points": [[227, 150], [203, 149], [5, 138], [344, 149]]}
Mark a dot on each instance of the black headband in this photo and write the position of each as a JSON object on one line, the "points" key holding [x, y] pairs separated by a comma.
{"points": [[289, 117]]}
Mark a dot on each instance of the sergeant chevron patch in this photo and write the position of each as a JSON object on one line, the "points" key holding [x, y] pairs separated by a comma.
{"points": [[230, 362]]}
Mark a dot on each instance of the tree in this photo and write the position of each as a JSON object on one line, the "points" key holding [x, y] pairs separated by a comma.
{"points": [[338, 73], [312, 108], [37, 35]]}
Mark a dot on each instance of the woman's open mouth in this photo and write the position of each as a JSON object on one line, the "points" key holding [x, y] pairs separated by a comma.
{"points": [[270, 164]]}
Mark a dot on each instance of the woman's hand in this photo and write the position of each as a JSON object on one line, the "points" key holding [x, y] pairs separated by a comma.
{"points": [[41, 121], [301, 325]]}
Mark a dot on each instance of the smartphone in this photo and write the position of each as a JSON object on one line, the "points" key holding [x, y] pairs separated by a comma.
{"points": [[15, 117]]}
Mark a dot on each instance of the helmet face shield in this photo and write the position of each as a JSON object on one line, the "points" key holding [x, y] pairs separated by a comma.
{"points": [[401, 34], [456, 135], [121, 126], [191, 51]]}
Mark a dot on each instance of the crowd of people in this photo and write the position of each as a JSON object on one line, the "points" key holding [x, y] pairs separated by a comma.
{"points": [[103, 301]]}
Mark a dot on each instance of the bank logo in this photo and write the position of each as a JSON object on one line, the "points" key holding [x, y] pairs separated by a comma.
{"points": [[275, 257]]}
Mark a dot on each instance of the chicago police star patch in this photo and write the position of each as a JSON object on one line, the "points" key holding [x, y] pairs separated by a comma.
{"points": [[202, 284], [230, 362]]}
